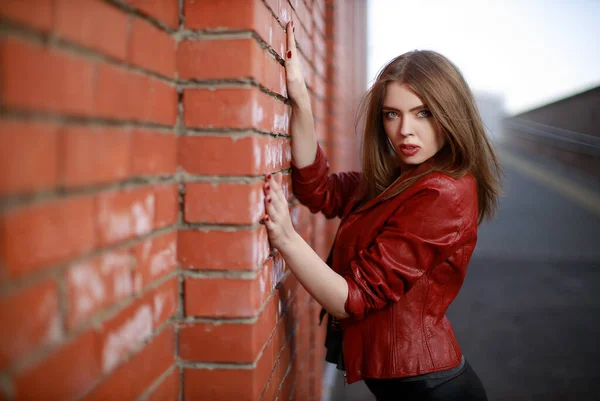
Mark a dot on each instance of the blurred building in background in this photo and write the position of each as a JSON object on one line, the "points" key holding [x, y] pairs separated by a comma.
{"points": [[567, 130]]}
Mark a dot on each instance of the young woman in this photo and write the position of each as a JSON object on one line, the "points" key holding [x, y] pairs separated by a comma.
{"points": [[408, 226]]}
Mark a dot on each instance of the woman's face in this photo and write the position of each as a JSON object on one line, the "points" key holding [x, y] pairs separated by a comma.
{"points": [[410, 126]]}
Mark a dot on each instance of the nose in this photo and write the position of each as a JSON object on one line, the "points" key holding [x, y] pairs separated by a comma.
{"points": [[405, 127]]}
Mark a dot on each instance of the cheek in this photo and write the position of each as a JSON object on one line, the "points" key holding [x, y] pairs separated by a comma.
{"points": [[390, 127]]}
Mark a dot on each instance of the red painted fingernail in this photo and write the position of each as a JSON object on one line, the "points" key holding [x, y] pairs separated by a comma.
{"points": [[267, 187], [269, 200], [289, 54], [268, 176], [267, 218]]}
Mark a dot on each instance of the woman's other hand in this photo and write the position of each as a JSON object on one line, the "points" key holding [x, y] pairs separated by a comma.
{"points": [[296, 87], [277, 219]]}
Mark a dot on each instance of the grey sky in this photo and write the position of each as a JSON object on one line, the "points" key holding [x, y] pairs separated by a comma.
{"points": [[531, 51]]}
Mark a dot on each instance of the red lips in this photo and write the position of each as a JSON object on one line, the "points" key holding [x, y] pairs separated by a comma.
{"points": [[409, 150]]}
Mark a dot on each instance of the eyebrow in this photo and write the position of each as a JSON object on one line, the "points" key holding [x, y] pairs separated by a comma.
{"points": [[422, 106]]}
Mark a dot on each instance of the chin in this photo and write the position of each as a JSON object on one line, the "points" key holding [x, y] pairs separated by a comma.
{"points": [[411, 162]]}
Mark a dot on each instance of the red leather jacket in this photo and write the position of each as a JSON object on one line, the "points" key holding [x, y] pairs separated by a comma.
{"points": [[404, 258]]}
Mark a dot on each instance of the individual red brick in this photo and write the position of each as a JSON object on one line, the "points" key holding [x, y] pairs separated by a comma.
{"points": [[28, 157], [278, 376], [307, 71], [223, 250], [214, 384], [166, 210], [19, 336], [223, 203], [67, 374], [209, 15], [35, 236], [319, 45], [222, 155], [128, 95], [318, 108], [38, 17], [120, 93], [97, 283], [212, 297], [125, 332], [95, 155], [319, 62], [307, 233], [217, 343], [164, 300], [286, 186], [282, 9], [168, 389], [303, 215], [230, 59], [151, 48], [227, 342], [303, 40], [153, 153], [125, 214], [160, 104], [286, 387], [134, 377], [236, 15], [165, 11], [319, 6], [232, 384], [304, 15], [227, 384], [319, 86], [302, 388], [62, 82], [234, 108], [93, 24], [302, 341], [321, 131], [156, 257]]}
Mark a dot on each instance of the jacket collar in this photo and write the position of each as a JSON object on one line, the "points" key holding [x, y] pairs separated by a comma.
{"points": [[421, 168]]}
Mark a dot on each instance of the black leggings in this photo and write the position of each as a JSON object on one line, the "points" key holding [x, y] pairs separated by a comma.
{"points": [[464, 386]]}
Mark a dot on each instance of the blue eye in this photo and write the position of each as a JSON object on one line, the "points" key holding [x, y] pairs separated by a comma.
{"points": [[424, 113], [390, 114]]}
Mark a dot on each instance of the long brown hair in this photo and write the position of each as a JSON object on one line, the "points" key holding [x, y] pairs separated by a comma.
{"points": [[441, 86]]}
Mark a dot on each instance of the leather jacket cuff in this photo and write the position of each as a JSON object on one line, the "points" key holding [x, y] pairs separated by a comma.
{"points": [[354, 305], [309, 174]]}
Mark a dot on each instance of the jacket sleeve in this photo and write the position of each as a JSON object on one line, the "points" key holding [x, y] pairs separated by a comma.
{"points": [[423, 231], [320, 192]]}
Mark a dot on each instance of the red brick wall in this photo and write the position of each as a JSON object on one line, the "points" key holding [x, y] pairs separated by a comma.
{"points": [[134, 139]]}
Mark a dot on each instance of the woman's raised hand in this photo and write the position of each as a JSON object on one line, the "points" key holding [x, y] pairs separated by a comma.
{"points": [[296, 87], [277, 219]]}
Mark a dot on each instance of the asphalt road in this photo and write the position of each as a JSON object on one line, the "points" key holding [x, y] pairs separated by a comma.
{"points": [[527, 317]]}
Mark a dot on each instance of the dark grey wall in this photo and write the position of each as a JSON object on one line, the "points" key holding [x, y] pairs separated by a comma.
{"points": [[579, 113]]}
